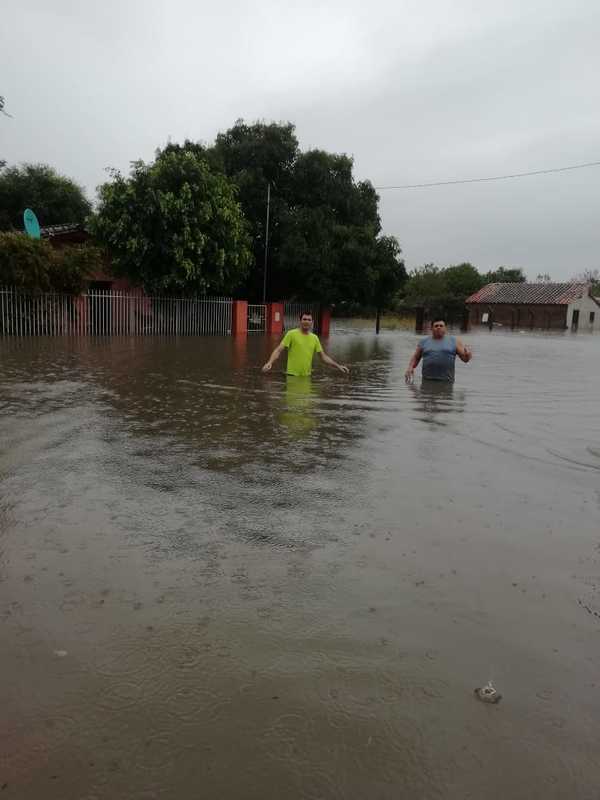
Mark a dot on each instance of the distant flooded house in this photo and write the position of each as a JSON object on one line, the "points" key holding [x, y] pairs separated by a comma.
{"points": [[546, 306]]}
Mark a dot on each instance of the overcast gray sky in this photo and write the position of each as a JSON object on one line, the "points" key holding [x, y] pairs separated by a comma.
{"points": [[415, 90]]}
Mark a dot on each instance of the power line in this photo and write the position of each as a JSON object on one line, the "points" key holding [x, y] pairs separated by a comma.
{"points": [[492, 178]]}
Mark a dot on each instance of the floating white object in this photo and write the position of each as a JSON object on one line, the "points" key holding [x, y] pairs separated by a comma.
{"points": [[488, 693], [60, 653]]}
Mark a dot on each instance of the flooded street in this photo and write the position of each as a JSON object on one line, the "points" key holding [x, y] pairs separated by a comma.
{"points": [[220, 584]]}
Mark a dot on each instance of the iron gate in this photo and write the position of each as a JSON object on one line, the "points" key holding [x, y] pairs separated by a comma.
{"points": [[257, 318]]}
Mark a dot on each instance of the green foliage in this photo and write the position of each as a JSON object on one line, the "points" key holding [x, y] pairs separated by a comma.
{"points": [[253, 156], [318, 258], [54, 198], [34, 265], [73, 264], [25, 263], [332, 248], [426, 286], [174, 225], [387, 273], [262, 150], [324, 180], [330, 261], [443, 291], [506, 275], [324, 226], [462, 280]]}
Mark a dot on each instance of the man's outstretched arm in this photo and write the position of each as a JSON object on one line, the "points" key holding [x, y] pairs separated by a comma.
{"points": [[463, 352], [414, 363], [329, 360], [273, 357]]}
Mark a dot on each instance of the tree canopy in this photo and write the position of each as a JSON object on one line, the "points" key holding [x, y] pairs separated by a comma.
{"points": [[443, 290], [174, 225], [54, 198], [324, 225], [254, 156], [194, 220]]}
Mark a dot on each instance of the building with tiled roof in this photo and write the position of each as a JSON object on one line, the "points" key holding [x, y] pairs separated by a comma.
{"points": [[535, 305], [65, 234]]}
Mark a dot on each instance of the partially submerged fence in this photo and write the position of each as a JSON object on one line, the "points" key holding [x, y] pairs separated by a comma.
{"points": [[110, 313], [100, 312]]}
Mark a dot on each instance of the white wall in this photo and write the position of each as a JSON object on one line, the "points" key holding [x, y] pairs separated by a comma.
{"points": [[585, 305]]}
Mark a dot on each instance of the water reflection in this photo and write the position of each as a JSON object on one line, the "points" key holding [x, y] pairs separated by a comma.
{"points": [[313, 571], [299, 406], [434, 399], [207, 393]]}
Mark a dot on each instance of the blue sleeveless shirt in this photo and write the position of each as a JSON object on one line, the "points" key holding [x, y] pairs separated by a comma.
{"points": [[438, 358]]}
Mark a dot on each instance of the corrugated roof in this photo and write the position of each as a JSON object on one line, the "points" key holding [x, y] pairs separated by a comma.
{"points": [[55, 230], [544, 294]]}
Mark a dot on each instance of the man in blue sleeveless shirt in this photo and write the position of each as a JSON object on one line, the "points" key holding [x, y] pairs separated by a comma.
{"points": [[438, 352]]}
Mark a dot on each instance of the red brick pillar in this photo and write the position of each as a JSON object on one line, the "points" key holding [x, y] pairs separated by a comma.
{"points": [[239, 318], [275, 318], [325, 321]]}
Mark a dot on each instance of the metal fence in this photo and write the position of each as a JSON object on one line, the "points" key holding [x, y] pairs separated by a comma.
{"points": [[292, 311], [111, 313], [257, 318]]}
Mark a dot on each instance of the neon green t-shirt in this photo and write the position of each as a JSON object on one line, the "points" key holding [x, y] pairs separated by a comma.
{"points": [[301, 348]]}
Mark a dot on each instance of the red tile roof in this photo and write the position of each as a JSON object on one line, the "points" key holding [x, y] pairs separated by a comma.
{"points": [[530, 293]]}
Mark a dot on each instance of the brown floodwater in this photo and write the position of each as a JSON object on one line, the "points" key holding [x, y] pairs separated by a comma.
{"points": [[219, 584]]}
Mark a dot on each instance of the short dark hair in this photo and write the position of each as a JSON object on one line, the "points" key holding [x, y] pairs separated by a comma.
{"points": [[305, 314], [438, 319]]}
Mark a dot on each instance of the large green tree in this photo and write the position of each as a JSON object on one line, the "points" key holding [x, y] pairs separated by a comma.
{"points": [[385, 276], [333, 262], [442, 290], [324, 239], [54, 198], [324, 226], [462, 280], [329, 234], [331, 245], [425, 286], [174, 225], [256, 156]]}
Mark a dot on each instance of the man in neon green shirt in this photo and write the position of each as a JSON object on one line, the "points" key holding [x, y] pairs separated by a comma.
{"points": [[301, 345]]}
